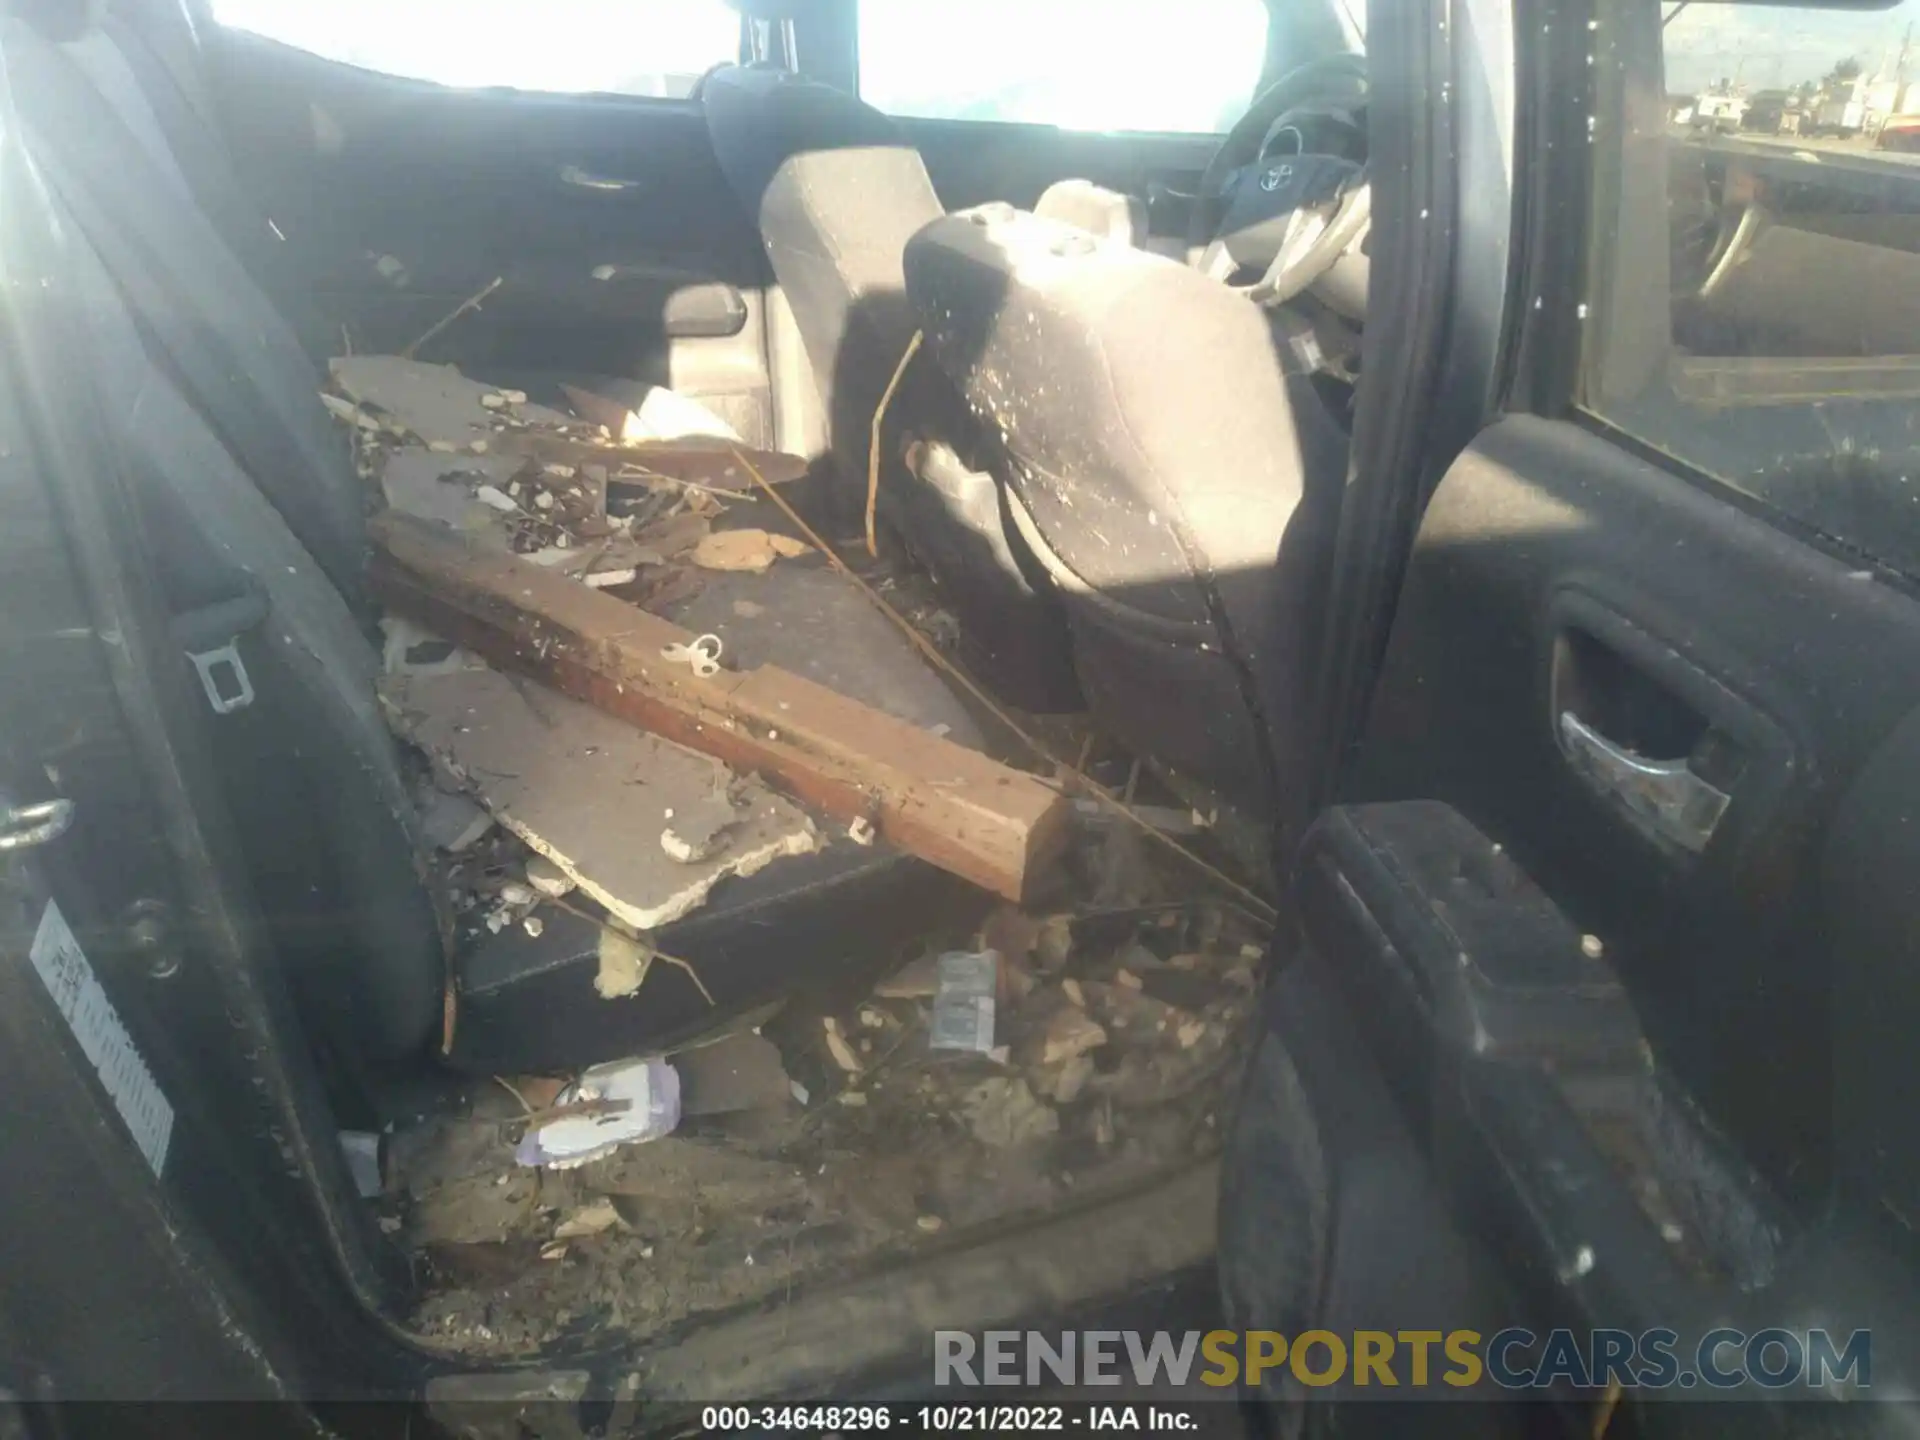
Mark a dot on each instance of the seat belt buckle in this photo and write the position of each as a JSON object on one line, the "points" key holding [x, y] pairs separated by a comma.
{"points": [[223, 674], [237, 693]]}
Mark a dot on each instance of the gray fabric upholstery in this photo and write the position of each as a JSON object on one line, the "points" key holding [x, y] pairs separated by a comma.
{"points": [[837, 193], [94, 135], [310, 768], [1144, 408], [245, 488], [1176, 466]]}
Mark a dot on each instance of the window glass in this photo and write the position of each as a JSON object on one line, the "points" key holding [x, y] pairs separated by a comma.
{"points": [[1756, 255], [627, 47], [1164, 65]]}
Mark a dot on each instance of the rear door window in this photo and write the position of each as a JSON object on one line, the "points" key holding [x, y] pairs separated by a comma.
{"points": [[623, 47], [1756, 256], [1172, 66]]}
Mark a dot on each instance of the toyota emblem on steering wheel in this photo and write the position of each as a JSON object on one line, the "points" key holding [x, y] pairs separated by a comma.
{"points": [[1276, 177]]}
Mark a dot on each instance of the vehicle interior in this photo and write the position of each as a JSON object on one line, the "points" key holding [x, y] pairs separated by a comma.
{"points": [[238, 224], [1534, 700]]}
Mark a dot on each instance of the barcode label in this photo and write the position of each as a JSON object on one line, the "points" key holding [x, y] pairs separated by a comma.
{"points": [[63, 969]]}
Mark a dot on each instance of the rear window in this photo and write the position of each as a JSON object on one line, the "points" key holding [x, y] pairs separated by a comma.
{"points": [[1157, 65], [624, 47], [1756, 276]]}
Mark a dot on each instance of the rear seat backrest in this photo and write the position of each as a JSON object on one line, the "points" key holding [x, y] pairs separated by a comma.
{"points": [[160, 43], [238, 363], [311, 773], [310, 770]]}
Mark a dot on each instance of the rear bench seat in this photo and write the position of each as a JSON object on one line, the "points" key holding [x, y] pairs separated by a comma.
{"points": [[255, 515]]}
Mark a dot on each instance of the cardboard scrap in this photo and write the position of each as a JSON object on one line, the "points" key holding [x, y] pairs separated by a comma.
{"points": [[590, 792]]}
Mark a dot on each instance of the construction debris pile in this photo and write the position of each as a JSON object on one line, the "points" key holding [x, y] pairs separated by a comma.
{"points": [[1083, 1055], [618, 699], [627, 509]]}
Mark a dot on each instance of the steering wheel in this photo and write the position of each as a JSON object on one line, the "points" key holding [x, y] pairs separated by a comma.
{"points": [[1289, 215]]}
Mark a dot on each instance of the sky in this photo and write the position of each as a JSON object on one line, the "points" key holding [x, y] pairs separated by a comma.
{"points": [[1774, 48]]}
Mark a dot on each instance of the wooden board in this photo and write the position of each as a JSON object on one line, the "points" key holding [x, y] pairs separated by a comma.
{"points": [[951, 806]]}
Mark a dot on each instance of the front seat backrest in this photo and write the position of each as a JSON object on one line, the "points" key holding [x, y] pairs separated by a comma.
{"points": [[837, 192]]}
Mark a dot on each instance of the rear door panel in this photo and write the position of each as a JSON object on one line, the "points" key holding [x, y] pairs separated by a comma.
{"points": [[620, 247], [1555, 571]]}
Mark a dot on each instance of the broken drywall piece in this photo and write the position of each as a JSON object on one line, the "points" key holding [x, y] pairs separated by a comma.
{"points": [[661, 415], [410, 649], [623, 964], [674, 536], [588, 1220], [1070, 1033], [441, 487], [840, 1047], [548, 878], [433, 402], [700, 830], [664, 414], [351, 413], [590, 792], [452, 822], [751, 550], [1003, 1112], [918, 979]]}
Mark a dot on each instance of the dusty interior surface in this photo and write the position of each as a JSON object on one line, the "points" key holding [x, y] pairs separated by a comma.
{"points": [[1122, 1034]]}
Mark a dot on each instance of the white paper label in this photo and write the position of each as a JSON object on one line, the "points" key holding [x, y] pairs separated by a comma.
{"points": [[64, 970]]}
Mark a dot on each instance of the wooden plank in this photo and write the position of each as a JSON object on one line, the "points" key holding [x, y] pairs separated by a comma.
{"points": [[951, 806]]}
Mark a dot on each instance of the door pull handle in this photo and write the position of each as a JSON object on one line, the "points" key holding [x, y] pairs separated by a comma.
{"points": [[1664, 795]]}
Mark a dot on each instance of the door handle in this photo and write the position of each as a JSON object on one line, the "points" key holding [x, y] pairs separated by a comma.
{"points": [[1664, 795], [22, 827], [576, 178]]}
